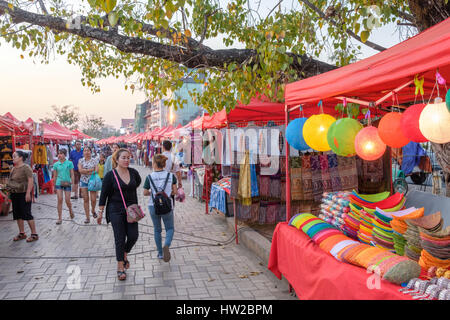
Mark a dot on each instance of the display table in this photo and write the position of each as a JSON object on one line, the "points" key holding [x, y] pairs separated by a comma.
{"points": [[316, 275]]}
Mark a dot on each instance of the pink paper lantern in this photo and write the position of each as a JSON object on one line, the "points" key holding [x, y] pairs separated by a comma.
{"points": [[368, 144], [390, 131], [410, 123]]}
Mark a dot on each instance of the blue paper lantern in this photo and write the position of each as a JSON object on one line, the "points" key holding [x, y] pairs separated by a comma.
{"points": [[294, 134]]}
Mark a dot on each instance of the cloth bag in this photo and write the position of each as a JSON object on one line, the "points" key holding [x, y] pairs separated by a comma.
{"points": [[95, 183], [134, 212]]}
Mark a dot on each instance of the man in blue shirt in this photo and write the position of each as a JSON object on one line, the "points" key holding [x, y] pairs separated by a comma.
{"points": [[75, 156]]}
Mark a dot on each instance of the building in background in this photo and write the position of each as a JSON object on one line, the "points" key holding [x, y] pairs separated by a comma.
{"points": [[127, 126], [157, 115], [139, 116], [190, 109]]}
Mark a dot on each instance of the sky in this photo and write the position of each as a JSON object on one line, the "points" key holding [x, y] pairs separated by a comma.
{"points": [[29, 90]]}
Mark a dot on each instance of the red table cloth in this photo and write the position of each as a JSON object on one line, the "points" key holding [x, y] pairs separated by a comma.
{"points": [[316, 275]]}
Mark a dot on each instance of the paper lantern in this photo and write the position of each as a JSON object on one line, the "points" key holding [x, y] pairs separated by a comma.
{"points": [[294, 134], [368, 144], [447, 100], [315, 131], [390, 131], [341, 136], [434, 122], [410, 123]]}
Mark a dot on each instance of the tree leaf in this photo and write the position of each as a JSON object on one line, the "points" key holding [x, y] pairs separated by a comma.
{"points": [[364, 36]]}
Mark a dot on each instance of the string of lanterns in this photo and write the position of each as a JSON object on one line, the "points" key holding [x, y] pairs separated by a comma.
{"points": [[347, 137]]}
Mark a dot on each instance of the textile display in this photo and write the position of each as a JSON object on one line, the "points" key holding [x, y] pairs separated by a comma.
{"points": [[316, 172], [307, 177], [296, 179], [388, 265], [283, 178], [399, 226], [334, 208], [245, 187], [264, 186], [316, 275], [218, 198], [348, 173], [374, 176], [235, 173], [40, 154], [326, 177], [336, 184]]}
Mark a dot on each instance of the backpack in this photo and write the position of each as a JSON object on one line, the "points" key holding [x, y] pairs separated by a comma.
{"points": [[161, 201]]}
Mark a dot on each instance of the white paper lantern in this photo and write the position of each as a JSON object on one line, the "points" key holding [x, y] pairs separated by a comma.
{"points": [[434, 122]]}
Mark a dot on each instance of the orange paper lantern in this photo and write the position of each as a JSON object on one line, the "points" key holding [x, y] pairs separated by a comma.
{"points": [[368, 144], [390, 130]]}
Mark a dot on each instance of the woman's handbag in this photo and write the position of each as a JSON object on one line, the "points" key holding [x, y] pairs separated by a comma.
{"points": [[65, 184], [95, 183], [134, 212]]}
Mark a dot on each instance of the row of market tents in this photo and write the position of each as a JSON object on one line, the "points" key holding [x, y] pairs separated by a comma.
{"points": [[10, 125]]}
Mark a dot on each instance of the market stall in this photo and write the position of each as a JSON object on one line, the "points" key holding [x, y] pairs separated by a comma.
{"points": [[367, 229]]}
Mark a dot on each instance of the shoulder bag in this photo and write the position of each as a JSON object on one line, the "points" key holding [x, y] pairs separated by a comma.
{"points": [[134, 212]]}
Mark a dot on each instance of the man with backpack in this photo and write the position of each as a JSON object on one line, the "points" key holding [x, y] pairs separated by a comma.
{"points": [[160, 185]]}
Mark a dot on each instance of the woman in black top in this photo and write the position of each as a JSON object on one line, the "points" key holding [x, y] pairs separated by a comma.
{"points": [[125, 234]]}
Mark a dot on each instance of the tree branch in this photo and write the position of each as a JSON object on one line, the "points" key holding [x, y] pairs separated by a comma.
{"points": [[44, 9], [348, 31], [189, 58]]}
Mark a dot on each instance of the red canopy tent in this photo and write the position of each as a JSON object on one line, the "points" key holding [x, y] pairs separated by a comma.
{"points": [[371, 79], [80, 135], [374, 80], [64, 130], [51, 133]]}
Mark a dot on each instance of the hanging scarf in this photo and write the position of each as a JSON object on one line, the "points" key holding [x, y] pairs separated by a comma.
{"points": [[326, 177], [244, 190], [296, 179], [334, 173]]}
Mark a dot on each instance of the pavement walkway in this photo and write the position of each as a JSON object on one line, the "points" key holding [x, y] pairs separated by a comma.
{"points": [[77, 261]]}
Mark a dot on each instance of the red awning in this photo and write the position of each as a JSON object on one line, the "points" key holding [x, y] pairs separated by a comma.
{"points": [[51, 133], [372, 78], [9, 125]]}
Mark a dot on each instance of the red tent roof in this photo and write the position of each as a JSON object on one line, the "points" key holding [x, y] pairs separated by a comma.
{"points": [[372, 78], [64, 130], [50, 132]]}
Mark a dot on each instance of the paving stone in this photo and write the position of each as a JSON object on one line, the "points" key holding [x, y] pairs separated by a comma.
{"points": [[194, 272]]}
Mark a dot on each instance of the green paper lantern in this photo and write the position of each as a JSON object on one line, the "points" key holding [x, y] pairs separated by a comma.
{"points": [[341, 136], [447, 100]]}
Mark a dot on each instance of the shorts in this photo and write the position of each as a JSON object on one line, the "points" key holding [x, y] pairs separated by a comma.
{"points": [[83, 184], [21, 208], [76, 177], [69, 188]]}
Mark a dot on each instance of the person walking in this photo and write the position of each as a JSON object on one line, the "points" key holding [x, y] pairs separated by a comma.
{"points": [[101, 166], [20, 187], [86, 166], [108, 163], [171, 165], [121, 180], [161, 180], [63, 178], [75, 156]]}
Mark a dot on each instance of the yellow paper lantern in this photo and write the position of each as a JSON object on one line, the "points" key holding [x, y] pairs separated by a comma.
{"points": [[315, 131], [434, 122]]}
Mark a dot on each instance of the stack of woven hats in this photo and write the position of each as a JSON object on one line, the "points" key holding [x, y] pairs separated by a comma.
{"points": [[399, 227], [388, 265]]}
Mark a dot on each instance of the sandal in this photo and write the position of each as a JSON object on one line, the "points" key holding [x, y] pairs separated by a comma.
{"points": [[121, 275], [126, 264], [33, 237], [71, 214], [87, 221], [20, 236], [59, 222], [74, 198], [94, 215]]}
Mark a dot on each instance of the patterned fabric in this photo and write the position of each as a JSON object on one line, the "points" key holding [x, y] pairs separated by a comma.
{"points": [[235, 171], [224, 183], [244, 190], [262, 211], [87, 164], [281, 216], [218, 198], [316, 178], [283, 178], [243, 211], [307, 178], [264, 186], [254, 181], [334, 173], [254, 211], [296, 178], [271, 215], [326, 177], [348, 173], [374, 176]]}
